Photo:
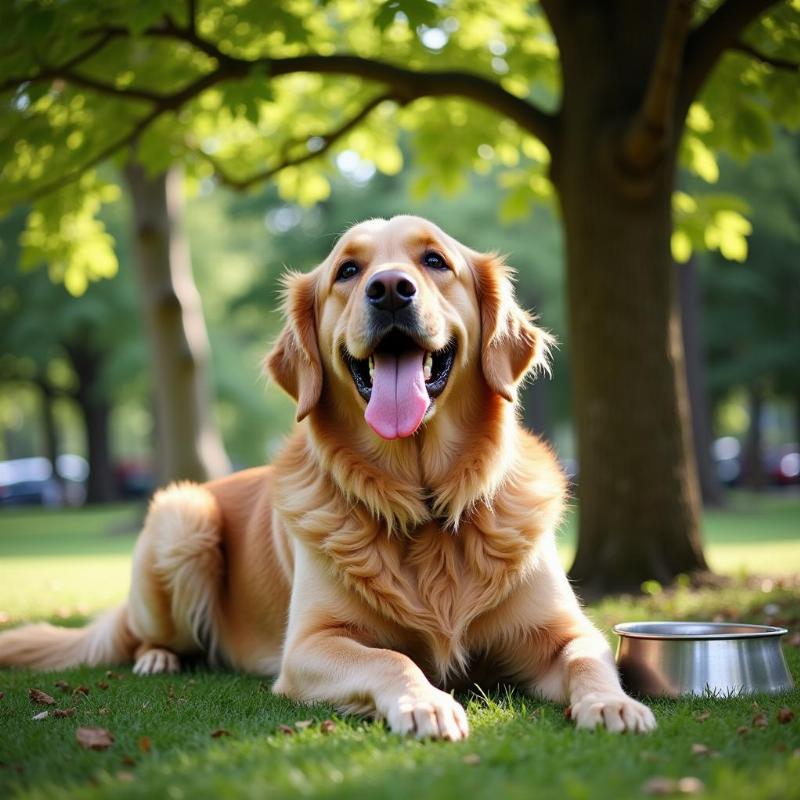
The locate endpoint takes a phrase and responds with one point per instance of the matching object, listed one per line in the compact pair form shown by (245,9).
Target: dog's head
(399,318)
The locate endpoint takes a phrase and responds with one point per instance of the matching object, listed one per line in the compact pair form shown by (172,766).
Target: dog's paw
(428,714)
(616,712)
(157,661)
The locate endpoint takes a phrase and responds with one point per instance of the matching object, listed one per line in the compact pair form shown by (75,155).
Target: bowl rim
(629,630)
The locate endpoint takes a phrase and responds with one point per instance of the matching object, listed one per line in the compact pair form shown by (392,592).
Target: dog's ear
(294,361)
(511,345)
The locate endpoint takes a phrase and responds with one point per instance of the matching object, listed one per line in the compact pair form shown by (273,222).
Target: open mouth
(399,381)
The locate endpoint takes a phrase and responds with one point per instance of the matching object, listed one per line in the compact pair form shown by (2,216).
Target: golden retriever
(402,543)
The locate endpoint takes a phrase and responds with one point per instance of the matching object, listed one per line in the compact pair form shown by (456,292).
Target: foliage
(251,90)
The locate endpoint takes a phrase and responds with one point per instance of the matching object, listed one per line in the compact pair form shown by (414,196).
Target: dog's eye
(347,270)
(434,260)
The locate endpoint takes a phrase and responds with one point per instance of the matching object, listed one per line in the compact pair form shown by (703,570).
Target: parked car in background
(33,481)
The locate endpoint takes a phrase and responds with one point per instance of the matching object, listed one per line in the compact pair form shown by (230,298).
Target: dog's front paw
(615,711)
(428,714)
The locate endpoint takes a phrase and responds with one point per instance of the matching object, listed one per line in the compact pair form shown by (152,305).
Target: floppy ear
(294,361)
(511,345)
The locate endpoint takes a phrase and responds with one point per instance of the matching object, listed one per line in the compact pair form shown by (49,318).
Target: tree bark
(753,475)
(49,429)
(96,412)
(637,489)
(690,308)
(190,446)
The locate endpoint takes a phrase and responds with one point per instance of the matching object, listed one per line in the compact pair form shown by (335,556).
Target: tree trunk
(190,446)
(753,475)
(690,308)
(637,488)
(96,411)
(49,429)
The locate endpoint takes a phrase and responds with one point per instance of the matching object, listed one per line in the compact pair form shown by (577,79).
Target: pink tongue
(399,399)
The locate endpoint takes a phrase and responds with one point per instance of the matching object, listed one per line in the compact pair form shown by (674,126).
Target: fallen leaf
(660,786)
(785,715)
(40,697)
(742,729)
(327,726)
(41,715)
(219,732)
(144,744)
(102,685)
(113,675)
(760,720)
(64,712)
(128,761)
(702,716)
(125,776)
(104,710)
(471,759)
(690,785)
(63,685)
(94,738)
(84,690)
(286,730)
(700,749)
(2,695)
(302,724)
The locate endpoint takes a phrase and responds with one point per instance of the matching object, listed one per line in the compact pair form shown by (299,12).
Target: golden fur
(374,574)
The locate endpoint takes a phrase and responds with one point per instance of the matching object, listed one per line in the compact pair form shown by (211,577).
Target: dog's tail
(106,640)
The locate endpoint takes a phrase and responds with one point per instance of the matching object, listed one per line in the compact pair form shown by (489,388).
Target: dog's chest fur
(432,583)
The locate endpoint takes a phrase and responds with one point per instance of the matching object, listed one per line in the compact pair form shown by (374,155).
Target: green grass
(67,564)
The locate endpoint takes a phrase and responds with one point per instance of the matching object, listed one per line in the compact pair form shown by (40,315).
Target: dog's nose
(391,290)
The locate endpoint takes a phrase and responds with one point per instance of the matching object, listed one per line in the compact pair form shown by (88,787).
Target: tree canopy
(248,91)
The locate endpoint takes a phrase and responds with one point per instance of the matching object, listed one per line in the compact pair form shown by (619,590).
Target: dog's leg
(330,666)
(149,660)
(177,565)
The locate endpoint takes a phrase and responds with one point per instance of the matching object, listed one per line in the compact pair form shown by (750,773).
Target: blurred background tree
(590,104)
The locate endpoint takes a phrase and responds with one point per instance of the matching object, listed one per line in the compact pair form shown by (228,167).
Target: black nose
(391,290)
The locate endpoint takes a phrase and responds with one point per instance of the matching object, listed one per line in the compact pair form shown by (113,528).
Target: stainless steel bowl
(670,659)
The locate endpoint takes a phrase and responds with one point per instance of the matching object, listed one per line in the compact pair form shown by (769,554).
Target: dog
(402,543)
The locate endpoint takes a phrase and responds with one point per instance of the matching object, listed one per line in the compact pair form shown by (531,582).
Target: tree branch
(649,135)
(328,140)
(772,61)
(708,41)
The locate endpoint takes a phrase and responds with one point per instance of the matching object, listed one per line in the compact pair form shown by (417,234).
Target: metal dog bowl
(670,659)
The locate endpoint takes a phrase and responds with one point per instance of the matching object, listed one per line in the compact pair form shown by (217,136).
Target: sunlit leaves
(64,233)
(709,222)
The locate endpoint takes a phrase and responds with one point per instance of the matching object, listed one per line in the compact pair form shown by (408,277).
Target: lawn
(65,565)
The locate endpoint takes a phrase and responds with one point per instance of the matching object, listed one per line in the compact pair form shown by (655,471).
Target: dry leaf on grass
(219,732)
(327,726)
(690,785)
(102,685)
(784,715)
(471,759)
(64,712)
(128,761)
(94,738)
(2,695)
(63,685)
(144,744)
(104,710)
(115,676)
(41,715)
(285,730)
(40,697)
(760,720)
(302,724)
(742,729)
(702,716)
(84,690)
